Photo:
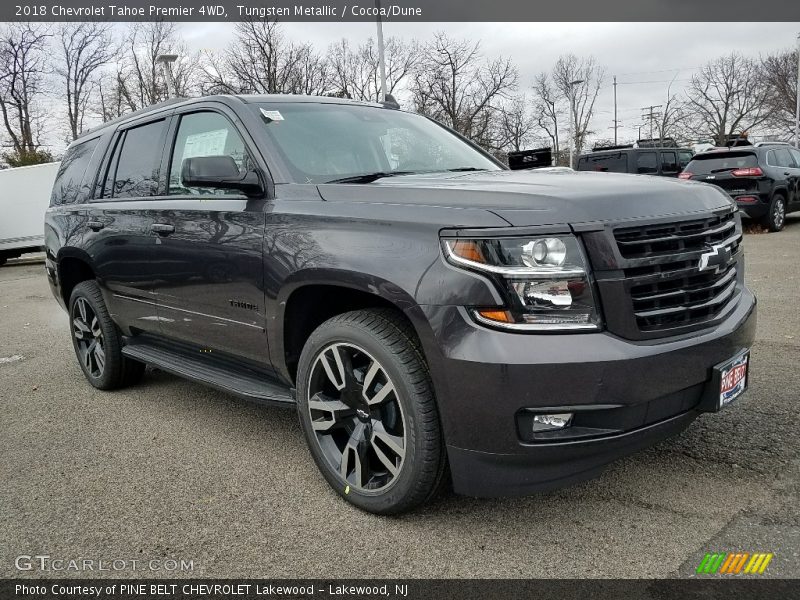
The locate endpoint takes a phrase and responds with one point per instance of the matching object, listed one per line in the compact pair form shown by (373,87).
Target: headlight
(545,280)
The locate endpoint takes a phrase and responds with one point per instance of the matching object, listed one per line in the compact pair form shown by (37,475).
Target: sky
(645,57)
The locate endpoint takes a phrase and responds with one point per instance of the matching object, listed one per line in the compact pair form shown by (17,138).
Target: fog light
(551,422)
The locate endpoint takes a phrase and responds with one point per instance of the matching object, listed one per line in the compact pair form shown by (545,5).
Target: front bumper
(642,392)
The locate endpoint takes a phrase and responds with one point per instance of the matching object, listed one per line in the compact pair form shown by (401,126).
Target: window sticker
(272,115)
(208,143)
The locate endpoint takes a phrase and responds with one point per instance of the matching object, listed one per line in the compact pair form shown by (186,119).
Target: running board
(245,384)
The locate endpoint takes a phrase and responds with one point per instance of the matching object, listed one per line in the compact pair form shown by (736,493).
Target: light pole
(572,124)
(381,58)
(797,108)
(166,60)
(555,132)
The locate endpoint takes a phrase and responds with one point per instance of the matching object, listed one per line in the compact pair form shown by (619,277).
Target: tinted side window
(134,169)
(646,162)
(206,134)
(71,173)
(684,158)
(615,163)
(669,162)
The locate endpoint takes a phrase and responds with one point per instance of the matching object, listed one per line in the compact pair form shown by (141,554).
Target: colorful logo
(735,563)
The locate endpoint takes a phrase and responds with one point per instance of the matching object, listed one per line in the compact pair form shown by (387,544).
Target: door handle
(162,228)
(95,225)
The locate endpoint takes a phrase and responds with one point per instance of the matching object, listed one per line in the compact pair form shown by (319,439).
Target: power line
(661,71)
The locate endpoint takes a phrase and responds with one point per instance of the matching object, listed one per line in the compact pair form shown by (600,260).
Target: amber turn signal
(468,250)
(502,316)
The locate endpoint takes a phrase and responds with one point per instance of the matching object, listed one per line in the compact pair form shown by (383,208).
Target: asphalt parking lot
(170,469)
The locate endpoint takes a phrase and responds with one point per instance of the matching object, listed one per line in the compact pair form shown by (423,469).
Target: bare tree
(546,112)
(728,96)
(85,49)
(455,85)
(515,125)
(780,76)
(356,71)
(672,121)
(262,61)
(578,81)
(23,68)
(139,80)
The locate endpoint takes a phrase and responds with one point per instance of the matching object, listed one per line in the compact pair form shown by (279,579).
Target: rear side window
(796,156)
(684,158)
(134,169)
(646,162)
(669,162)
(780,158)
(613,163)
(718,162)
(70,178)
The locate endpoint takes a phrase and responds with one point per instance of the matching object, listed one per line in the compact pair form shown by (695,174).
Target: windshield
(717,162)
(322,143)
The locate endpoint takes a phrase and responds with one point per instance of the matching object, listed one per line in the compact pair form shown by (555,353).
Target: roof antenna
(390,102)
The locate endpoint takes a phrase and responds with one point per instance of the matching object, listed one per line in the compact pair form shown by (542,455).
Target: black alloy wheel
(98,341)
(357,419)
(368,411)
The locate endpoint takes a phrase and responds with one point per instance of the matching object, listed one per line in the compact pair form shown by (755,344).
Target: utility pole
(651,115)
(616,123)
(555,131)
(381,57)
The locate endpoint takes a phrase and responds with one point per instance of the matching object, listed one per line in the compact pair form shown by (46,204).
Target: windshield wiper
(462,169)
(369,177)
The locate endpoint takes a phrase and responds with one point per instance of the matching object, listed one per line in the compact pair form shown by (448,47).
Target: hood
(540,198)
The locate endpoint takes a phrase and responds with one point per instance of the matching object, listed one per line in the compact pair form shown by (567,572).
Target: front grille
(663,280)
(670,238)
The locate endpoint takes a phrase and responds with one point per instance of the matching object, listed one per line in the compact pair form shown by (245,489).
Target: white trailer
(24,198)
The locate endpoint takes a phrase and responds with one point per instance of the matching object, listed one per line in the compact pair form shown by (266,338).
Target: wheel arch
(73,266)
(308,301)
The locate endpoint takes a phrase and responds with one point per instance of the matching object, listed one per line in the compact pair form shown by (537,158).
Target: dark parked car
(764,180)
(431,315)
(664,162)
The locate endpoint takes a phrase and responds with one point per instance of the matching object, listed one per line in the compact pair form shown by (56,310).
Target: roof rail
(601,147)
(130,115)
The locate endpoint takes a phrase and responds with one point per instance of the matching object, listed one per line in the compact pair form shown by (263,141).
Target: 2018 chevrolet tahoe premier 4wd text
(433,315)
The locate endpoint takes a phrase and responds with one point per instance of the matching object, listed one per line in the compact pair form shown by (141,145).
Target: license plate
(733,379)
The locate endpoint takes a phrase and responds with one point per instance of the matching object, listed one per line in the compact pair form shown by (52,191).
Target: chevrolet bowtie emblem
(717,257)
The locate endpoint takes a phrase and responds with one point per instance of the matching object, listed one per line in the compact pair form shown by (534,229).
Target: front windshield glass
(321,143)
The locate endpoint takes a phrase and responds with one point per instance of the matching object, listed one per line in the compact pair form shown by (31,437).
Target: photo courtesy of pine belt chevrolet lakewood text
(435,318)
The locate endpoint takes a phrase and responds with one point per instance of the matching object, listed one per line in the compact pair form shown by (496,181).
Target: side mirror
(219,172)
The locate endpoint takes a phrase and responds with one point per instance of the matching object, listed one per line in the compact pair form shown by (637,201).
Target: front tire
(367,409)
(97,340)
(775,219)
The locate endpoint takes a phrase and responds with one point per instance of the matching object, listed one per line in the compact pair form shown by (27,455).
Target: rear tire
(775,218)
(98,342)
(367,408)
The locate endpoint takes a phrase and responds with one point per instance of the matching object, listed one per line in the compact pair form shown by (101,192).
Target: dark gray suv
(432,316)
